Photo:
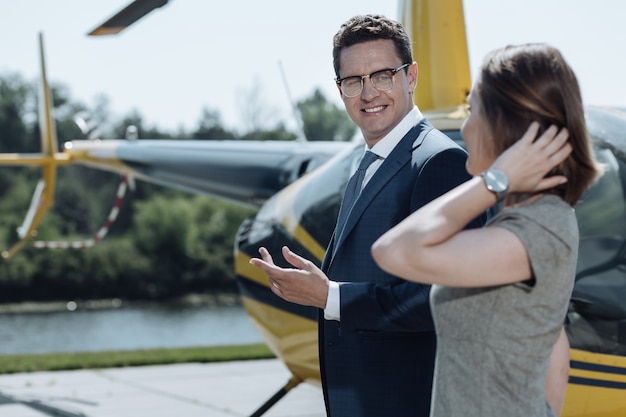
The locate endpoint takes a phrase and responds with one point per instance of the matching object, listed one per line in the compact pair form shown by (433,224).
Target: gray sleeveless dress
(493,343)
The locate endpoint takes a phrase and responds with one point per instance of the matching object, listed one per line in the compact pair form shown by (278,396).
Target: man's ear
(413,75)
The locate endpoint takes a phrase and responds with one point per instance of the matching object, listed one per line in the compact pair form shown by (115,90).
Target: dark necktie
(352,191)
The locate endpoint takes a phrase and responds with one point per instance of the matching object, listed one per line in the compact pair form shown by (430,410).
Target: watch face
(496,180)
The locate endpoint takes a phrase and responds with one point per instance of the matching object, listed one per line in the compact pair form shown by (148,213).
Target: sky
(196,54)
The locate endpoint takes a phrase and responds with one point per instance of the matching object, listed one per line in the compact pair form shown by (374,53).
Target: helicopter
(297,188)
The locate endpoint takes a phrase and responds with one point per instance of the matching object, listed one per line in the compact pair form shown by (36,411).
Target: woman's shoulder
(548,212)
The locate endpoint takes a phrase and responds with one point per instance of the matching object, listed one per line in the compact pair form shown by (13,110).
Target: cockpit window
(596,320)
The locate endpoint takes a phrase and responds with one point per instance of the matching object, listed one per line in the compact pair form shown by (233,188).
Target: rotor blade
(127,16)
(243,172)
(49,143)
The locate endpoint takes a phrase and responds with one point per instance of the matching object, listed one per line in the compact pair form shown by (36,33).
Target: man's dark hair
(371,27)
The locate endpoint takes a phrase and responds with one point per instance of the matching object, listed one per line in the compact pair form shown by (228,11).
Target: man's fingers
(266,263)
(265,254)
(295,259)
(274,285)
(269,269)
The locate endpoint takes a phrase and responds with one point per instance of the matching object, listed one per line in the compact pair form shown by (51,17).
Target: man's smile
(374,109)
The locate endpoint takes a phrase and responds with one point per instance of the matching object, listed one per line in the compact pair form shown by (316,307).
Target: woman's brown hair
(533,82)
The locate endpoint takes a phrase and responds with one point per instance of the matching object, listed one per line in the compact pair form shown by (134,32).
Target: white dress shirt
(382,149)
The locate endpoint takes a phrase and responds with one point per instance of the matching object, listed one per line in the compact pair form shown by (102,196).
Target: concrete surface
(228,389)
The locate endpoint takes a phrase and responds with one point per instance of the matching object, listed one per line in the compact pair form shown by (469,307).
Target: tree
(135,119)
(14,96)
(322,120)
(165,242)
(210,126)
(279,132)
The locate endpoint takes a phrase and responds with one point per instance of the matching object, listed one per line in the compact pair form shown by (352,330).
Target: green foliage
(164,227)
(177,246)
(279,132)
(164,243)
(143,132)
(14,97)
(210,127)
(191,231)
(322,120)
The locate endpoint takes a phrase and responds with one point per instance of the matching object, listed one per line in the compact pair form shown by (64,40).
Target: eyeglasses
(381,80)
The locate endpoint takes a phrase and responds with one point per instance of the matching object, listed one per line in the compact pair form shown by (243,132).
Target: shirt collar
(384,146)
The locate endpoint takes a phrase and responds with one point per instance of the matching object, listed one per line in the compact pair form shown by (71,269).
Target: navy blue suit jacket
(378,360)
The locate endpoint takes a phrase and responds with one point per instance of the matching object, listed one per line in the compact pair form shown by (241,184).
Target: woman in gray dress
(501,293)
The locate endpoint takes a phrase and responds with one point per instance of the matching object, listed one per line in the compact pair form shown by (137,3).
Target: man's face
(374,111)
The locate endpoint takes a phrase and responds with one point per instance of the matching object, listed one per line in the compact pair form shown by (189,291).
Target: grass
(113,359)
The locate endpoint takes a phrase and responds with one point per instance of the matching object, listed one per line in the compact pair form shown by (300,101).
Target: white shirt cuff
(332,310)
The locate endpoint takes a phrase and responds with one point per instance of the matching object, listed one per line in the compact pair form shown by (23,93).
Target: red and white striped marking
(81,244)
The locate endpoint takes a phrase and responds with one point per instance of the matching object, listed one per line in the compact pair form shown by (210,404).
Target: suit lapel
(399,157)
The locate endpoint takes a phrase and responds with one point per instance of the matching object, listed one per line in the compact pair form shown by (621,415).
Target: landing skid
(293,382)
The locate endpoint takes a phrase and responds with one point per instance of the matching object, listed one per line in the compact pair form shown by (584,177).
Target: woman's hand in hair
(528,161)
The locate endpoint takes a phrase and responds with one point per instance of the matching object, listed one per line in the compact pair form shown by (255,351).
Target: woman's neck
(521,199)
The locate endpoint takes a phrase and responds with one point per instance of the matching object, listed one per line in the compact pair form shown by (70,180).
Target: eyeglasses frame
(394,71)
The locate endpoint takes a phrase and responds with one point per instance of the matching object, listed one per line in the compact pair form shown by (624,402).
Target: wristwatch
(496,181)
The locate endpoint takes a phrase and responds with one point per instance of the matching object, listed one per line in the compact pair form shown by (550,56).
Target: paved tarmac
(226,389)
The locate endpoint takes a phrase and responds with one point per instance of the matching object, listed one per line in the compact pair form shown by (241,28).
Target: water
(125,328)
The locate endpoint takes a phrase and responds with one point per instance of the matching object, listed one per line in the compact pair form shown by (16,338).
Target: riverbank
(190,300)
(111,325)
(114,359)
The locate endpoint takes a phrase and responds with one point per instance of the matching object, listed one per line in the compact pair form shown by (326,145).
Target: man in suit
(376,337)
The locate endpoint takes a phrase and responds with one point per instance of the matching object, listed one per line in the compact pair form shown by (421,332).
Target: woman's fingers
(529,160)
(553,146)
(531,133)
